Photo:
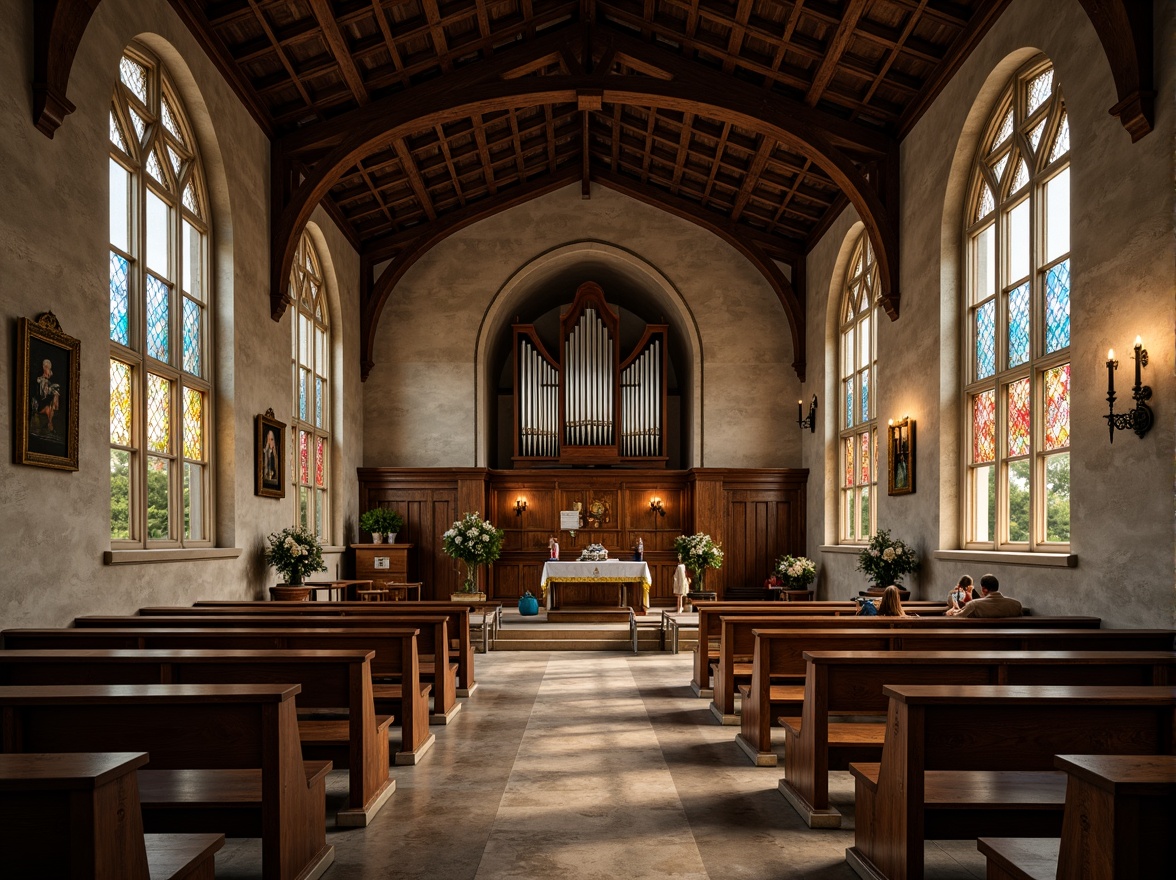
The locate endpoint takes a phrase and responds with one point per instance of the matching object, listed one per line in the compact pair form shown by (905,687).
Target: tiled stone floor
(589,766)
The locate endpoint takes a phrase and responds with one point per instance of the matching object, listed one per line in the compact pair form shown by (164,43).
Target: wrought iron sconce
(1140,418)
(811,421)
(520,505)
(655,504)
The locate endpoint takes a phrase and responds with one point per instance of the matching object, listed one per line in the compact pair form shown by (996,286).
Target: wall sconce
(655,504)
(811,421)
(520,505)
(1140,418)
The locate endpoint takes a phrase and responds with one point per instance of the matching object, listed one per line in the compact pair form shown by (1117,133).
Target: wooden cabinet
(384,563)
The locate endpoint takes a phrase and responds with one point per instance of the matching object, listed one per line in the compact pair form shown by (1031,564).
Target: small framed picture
(901,437)
(269,455)
(47,380)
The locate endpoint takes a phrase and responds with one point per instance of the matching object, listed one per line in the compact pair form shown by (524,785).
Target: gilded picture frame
(901,458)
(269,456)
(48,372)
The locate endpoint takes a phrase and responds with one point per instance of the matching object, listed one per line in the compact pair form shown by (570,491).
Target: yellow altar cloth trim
(603,579)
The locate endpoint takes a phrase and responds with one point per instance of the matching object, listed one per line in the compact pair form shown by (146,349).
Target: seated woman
(962,594)
(890,605)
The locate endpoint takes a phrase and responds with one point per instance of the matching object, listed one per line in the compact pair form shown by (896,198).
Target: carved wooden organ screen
(587,406)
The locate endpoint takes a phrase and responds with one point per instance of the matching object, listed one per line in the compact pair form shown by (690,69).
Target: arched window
(858,370)
(160,296)
(311,424)
(1017,315)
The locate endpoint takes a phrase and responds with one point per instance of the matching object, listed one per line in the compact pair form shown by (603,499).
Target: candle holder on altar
(1141,418)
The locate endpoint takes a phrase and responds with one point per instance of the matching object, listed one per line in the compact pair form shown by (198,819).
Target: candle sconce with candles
(811,421)
(1140,418)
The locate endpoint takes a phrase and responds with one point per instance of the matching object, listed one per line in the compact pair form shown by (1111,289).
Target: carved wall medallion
(599,513)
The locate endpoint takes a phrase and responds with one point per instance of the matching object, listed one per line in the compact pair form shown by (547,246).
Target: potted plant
(383,523)
(528,604)
(698,552)
(793,573)
(885,560)
(295,554)
(472,541)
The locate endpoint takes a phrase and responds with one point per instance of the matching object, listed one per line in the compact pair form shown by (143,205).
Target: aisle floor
(589,766)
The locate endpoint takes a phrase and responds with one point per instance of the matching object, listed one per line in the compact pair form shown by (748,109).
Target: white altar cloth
(617,571)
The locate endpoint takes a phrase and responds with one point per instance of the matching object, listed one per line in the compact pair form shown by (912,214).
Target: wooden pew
(847,683)
(78,815)
(224,758)
(329,680)
(457,613)
(395,654)
(432,641)
(977,760)
(779,653)
(737,644)
(1117,825)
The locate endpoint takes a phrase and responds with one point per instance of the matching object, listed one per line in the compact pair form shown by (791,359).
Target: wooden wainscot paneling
(763,517)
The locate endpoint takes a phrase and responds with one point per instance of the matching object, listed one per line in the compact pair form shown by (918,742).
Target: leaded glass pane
(304,335)
(318,402)
(848,507)
(1021,177)
(120,330)
(192,337)
(137,121)
(120,182)
(169,121)
(1062,141)
(864,457)
(985,318)
(985,285)
(1018,417)
(134,77)
(303,457)
(987,204)
(849,403)
(1057,407)
(190,200)
(1018,321)
(1057,497)
(176,161)
(984,427)
(1006,128)
(120,494)
(865,515)
(193,242)
(120,403)
(193,424)
(1057,216)
(864,336)
(157,318)
(1018,263)
(1040,88)
(158,498)
(193,501)
(847,352)
(303,391)
(999,168)
(320,462)
(849,469)
(1057,307)
(1017,496)
(983,503)
(1036,133)
(158,235)
(303,495)
(865,395)
(158,413)
(116,135)
(155,169)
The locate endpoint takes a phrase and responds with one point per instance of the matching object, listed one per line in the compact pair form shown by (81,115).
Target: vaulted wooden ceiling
(756,119)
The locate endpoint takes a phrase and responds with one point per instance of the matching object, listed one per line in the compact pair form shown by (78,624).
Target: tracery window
(1017,315)
(858,370)
(160,296)
(311,424)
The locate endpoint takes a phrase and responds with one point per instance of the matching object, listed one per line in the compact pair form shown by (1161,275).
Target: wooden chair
(373,595)
(78,815)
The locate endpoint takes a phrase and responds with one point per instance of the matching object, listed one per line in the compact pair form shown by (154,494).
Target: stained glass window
(160,391)
(1016,304)
(858,377)
(310,362)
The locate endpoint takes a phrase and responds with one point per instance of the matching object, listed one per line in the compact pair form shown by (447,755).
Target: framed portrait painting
(901,466)
(269,456)
(47,371)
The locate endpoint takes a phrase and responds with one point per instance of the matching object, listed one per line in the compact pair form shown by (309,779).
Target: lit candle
(799,412)
(1138,348)
(1110,371)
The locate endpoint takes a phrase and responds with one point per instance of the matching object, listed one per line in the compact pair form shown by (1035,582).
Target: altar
(612,582)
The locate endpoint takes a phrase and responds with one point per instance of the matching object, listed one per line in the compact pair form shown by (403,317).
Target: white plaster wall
(419,401)
(1124,275)
(53,255)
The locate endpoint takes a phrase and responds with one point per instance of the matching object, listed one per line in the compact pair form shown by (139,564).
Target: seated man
(990,604)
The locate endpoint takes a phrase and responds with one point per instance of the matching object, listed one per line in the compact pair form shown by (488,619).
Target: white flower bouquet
(473,541)
(885,560)
(794,572)
(294,553)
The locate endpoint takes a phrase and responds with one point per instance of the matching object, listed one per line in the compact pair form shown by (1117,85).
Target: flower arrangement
(594,553)
(885,561)
(793,572)
(294,553)
(698,552)
(473,541)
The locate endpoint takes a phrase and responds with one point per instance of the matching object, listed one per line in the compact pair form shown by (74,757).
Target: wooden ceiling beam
(324,14)
(683,150)
(453,175)
(414,178)
(585,157)
(296,81)
(716,162)
(735,39)
(753,173)
(834,49)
